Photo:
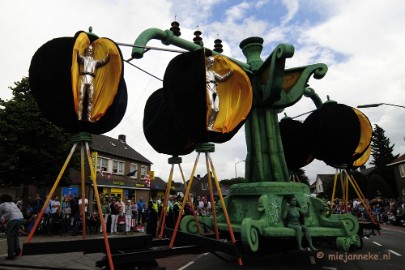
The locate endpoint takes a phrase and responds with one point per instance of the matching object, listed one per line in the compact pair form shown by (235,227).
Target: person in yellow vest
(177,207)
(152,220)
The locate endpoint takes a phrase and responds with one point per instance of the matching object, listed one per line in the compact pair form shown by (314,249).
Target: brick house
(399,171)
(120,170)
(200,187)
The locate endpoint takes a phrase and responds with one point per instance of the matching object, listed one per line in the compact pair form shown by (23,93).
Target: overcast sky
(361,42)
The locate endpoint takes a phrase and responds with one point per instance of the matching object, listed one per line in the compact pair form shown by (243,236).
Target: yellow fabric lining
(235,96)
(107,77)
(366,132)
(363,159)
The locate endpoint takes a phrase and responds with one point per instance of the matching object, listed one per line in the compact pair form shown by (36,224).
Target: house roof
(367,171)
(326,178)
(116,147)
(399,160)
(158,184)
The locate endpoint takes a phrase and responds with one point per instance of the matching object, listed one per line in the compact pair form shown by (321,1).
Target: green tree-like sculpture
(274,89)
(254,206)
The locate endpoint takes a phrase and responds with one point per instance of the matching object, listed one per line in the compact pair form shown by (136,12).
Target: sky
(361,42)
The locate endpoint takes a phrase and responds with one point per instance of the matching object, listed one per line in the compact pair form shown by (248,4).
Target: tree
(32,149)
(300,173)
(356,176)
(230,182)
(381,150)
(377,186)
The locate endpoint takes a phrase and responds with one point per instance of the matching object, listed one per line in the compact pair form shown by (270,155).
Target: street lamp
(378,104)
(236,172)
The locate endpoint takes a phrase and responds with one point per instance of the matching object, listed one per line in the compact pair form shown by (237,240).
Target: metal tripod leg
(93,179)
(209,165)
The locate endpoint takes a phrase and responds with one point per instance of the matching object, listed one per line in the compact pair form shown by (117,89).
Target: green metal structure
(255,208)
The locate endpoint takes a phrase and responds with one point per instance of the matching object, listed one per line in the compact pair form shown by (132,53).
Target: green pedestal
(255,211)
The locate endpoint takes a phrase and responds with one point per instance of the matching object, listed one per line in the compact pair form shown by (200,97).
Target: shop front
(123,189)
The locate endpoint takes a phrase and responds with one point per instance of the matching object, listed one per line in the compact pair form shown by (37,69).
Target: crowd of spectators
(383,209)
(62,215)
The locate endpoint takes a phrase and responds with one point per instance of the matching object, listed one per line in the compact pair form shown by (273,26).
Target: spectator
(141,213)
(152,220)
(106,210)
(94,223)
(37,204)
(66,215)
(114,215)
(29,220)
(48,209)
(134,213)
(10,214)
(169,213)
(86,203)
(56,216)
(121,206)
(188,210)
(128,216)
(177,207)
(377,212)
(20,203)
(197,202)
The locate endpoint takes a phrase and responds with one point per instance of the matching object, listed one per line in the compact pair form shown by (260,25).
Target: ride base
(255,211)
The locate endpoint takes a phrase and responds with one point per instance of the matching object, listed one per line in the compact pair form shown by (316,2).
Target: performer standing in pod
(212,80)
(87,75)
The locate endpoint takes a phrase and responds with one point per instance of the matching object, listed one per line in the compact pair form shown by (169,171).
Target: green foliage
(381,150)
(300,173)
(32,149)
(230,182)
(370,186)
(358,177)
(377,184)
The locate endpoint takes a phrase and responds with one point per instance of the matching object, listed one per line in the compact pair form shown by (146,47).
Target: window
(133,169)
(204,186)
(118,167)
(402,170)
(102,164)
(144,170)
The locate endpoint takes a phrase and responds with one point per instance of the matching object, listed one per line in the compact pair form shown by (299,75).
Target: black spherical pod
(54,77)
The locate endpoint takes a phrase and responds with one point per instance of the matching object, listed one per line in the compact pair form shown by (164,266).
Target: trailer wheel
(249,235)
(358,243)
(343,243)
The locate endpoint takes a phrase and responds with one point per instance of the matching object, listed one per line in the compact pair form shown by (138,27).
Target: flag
(131,173)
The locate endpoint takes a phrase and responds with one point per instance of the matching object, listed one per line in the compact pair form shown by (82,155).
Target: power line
(302,114)
(150,74)
(147,48)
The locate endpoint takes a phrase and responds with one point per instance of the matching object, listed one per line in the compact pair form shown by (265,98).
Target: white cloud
(237,12)
(292,8)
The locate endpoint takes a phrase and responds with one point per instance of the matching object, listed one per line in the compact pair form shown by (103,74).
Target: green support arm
(168,38)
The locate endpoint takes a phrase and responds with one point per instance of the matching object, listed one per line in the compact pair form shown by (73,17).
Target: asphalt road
(385,251)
